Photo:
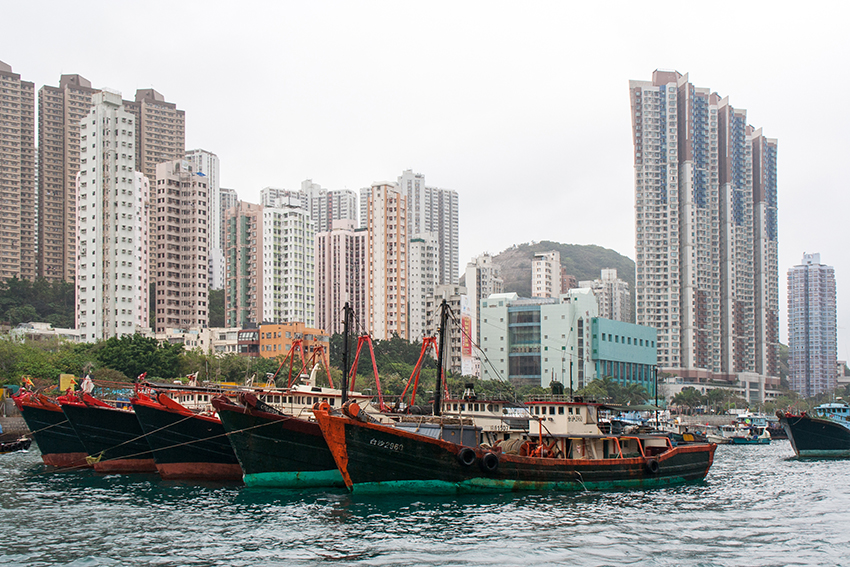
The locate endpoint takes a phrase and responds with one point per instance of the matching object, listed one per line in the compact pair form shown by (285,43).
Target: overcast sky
(522,107)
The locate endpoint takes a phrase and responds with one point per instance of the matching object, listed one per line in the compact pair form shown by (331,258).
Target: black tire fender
(652,466)
(466,456)
(489,463)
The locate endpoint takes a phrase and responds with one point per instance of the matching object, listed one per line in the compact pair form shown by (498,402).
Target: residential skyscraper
(387,279)
(612,293)
(287,281)
(812,335)
(328,205)
(206,164)
(182,247)
(706,231)
(341,270)
(546,274)
(423,269)
(60,110)
(112,225)
(243,255)
(276,197)
(436,211)
(17,176)
(160,131)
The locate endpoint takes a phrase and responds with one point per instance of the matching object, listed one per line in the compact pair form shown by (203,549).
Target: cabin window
(331,402)
(454,407)
(552,410)
(475,407)
(571,411)
(560,410)
(462,407)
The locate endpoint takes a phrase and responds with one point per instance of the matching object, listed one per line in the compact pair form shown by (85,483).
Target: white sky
(521,107)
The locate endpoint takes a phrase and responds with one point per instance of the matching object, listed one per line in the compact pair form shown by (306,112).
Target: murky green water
(758,506)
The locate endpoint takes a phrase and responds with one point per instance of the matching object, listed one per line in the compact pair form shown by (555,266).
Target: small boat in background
(21,444)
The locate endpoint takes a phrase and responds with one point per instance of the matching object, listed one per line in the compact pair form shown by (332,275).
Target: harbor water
(758,506)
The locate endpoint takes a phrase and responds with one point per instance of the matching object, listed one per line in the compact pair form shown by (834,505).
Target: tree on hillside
(216,307)
(23,301)
(133,355)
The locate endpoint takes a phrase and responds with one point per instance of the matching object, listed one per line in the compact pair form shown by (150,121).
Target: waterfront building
(275,340)
(206,164)
(423,270)
(387,277)
(60,110)
(433,210)
(341,270)
(612,293)
(287,279)
(706,231)
(17,176)
(812,334)
(112,225)
(538,340)
(483,278)
(546,274)
(243,254)
(181,201)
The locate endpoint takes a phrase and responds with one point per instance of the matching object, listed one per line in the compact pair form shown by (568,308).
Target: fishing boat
(751,436)
(187,441)
(112,436)
(56,439)
(825,434)
(568,452)
(20,444)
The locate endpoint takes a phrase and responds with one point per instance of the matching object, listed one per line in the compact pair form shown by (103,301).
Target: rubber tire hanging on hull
(466,456)
(652,466)
(489,463)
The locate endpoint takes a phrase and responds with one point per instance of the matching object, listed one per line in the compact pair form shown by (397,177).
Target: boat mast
(438,392)
(346,321)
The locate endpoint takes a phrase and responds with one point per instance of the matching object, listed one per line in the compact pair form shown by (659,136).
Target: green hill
(585,262)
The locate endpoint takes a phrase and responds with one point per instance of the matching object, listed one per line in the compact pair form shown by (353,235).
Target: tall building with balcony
(434,210)
(287,280)
(612,293)
(341,270)
(112,225)
(387,278)
(705,231)
(812,334)
(243,254)
(60,110)
(206,164)
(160,132)
(17,176)
(423,271)
(546,274)
(181,279)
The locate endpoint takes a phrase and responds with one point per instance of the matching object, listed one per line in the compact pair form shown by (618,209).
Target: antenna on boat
(438,390)
(346,322)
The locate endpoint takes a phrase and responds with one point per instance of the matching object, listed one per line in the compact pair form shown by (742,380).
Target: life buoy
(489,462)
(466,456)
(652,466)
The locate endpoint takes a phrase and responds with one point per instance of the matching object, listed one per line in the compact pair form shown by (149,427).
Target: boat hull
(749,441)
(278,451)
(817,437)
(187,446)
(378,459)
(15,446)
(112,438)
(56,439)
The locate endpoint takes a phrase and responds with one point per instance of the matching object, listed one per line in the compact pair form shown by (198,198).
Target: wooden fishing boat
(568,453)
(56,439)
(187,443)
(113,438)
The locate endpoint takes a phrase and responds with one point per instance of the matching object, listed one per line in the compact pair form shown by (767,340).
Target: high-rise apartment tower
(705,231)
(812,335)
